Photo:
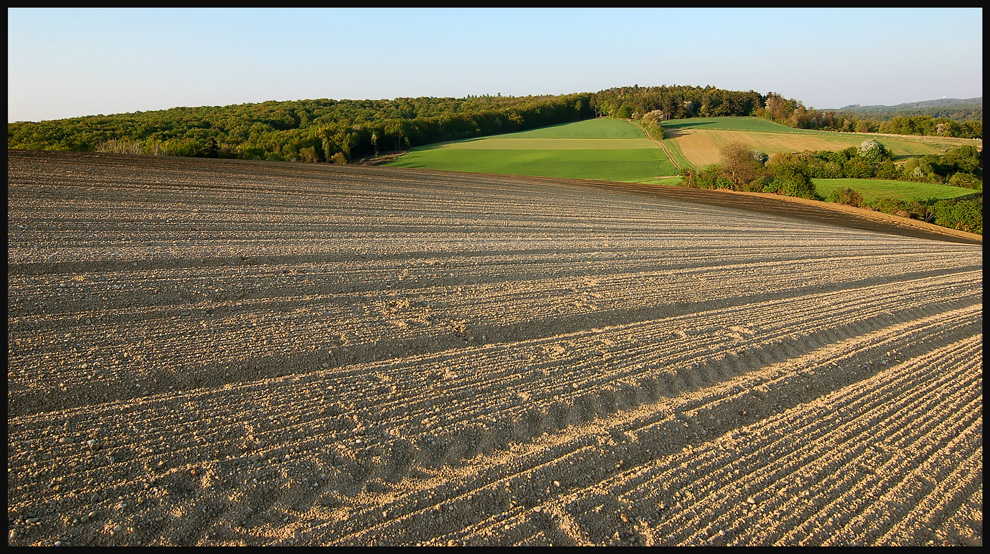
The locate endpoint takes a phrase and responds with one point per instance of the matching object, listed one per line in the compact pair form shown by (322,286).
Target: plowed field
(211,352)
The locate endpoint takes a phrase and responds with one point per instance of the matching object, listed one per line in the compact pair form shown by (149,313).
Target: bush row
(791,174)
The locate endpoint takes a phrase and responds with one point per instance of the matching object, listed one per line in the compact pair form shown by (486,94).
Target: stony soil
(213,352)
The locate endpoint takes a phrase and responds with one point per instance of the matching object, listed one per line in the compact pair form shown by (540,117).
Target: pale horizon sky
(64,62)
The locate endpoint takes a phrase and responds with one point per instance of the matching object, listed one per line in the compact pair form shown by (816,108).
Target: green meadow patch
(605,165)
(516,143)
(879,189)
(600,128)
(609,149)
(599,149)
(752,124)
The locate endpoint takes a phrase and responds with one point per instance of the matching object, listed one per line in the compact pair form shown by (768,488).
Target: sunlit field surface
(697,142)
(877,189)
(598,149)
(210,352)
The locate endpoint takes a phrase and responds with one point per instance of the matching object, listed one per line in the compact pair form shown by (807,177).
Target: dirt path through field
(666,152)
(220,352)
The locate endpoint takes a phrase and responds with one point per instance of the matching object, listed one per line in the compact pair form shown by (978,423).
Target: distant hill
(956,109)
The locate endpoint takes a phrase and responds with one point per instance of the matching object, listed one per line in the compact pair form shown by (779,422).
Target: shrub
(652,118)
(887,170)
(772,186)
(689,177)
(723,182)
(793,176)
(756,185)
(846,196)
(965,214)
(308,154)
(711,177)
(932,166)
(858,168)
(252,152)
(911,171)
(966,159)
(920,209)
(966,180)
(888,205)
(181,147)
(740,165)
(825,169)
(800,188)
(873,152)
(651,123)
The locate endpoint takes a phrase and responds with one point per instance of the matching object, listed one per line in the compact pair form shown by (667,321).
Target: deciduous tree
(739,164)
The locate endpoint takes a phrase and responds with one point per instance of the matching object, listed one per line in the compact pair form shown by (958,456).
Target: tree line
(681,102)
(676,102)
(794,114)
(336,131)
(970,109)
(342,131)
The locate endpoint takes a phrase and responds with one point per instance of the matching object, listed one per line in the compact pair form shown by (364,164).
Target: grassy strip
(674,148)
(878,189)
(606,165)
(602,127)
(751,124)
(600,149)
(516,143)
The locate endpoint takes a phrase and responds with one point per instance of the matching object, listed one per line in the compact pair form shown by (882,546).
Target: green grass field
(601,128)
(600,149)
(877,189)
(606,165)
(753,124)
(616,150)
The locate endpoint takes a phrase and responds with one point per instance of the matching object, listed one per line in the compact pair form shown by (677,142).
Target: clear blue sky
(74,62)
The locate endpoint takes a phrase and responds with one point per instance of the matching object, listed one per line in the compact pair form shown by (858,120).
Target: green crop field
(599,149)
(616,150)
(877,189)
(607,165)
(516,143)
(601,128)
(730,124)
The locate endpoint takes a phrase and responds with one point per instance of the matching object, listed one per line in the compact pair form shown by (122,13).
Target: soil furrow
(221,352)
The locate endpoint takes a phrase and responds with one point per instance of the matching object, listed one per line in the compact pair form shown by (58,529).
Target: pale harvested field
(206,352)
(701,147)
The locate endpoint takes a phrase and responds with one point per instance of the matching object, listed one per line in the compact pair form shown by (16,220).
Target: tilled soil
(217,352)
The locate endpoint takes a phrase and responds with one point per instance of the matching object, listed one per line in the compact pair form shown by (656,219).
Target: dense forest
(794,114)
(679,102)
(304,130)
(969,109)
(342,131)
